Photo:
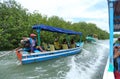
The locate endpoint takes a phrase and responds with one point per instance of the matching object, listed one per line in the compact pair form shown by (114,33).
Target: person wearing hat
(33,43)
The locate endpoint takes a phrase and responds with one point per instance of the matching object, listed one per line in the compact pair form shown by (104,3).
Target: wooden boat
(114,22)
(26,57)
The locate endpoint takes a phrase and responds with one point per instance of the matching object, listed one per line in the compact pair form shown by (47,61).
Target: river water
(89,64)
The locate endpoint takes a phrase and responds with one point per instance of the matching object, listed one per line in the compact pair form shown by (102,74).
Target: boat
(91,38)
(25,57)
(108,73)
(114,25)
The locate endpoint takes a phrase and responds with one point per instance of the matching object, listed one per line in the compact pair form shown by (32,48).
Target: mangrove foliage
(16,22)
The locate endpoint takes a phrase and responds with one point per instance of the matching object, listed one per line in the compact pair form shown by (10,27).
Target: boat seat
(52,48)
(64,46)
(45,46)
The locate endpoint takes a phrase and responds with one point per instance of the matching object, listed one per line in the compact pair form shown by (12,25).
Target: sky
(94,11)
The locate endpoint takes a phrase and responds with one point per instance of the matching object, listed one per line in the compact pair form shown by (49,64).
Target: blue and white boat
(26,57)
(114,26)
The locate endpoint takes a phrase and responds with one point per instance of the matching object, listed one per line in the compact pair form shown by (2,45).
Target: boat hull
(108,74)
(26,58)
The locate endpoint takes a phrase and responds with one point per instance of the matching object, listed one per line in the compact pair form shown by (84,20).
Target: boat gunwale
(47,52)
(49,55)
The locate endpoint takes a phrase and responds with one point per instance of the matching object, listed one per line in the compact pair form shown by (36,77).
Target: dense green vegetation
(16,21)
(116,35)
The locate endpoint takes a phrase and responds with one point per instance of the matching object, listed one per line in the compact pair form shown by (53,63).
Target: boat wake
(87,64)
(100,43)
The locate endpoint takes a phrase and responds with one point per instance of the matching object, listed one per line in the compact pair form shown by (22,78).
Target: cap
(32,35)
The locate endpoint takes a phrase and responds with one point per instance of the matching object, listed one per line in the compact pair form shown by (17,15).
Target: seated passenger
(116,51)
(45,46)
(72,44)
(117,54)
(25,43)
(52,48)
(117,57)
(33,43)
(117,62)
(64,44)
(64,41)
(57,44)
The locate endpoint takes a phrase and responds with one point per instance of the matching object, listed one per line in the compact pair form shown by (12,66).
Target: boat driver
(33,43)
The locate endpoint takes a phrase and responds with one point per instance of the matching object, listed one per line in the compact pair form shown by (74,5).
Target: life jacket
(57,45)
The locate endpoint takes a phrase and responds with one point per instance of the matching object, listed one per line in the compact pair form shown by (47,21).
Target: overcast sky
(95,11)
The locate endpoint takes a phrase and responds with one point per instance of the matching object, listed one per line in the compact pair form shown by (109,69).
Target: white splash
(86,70)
